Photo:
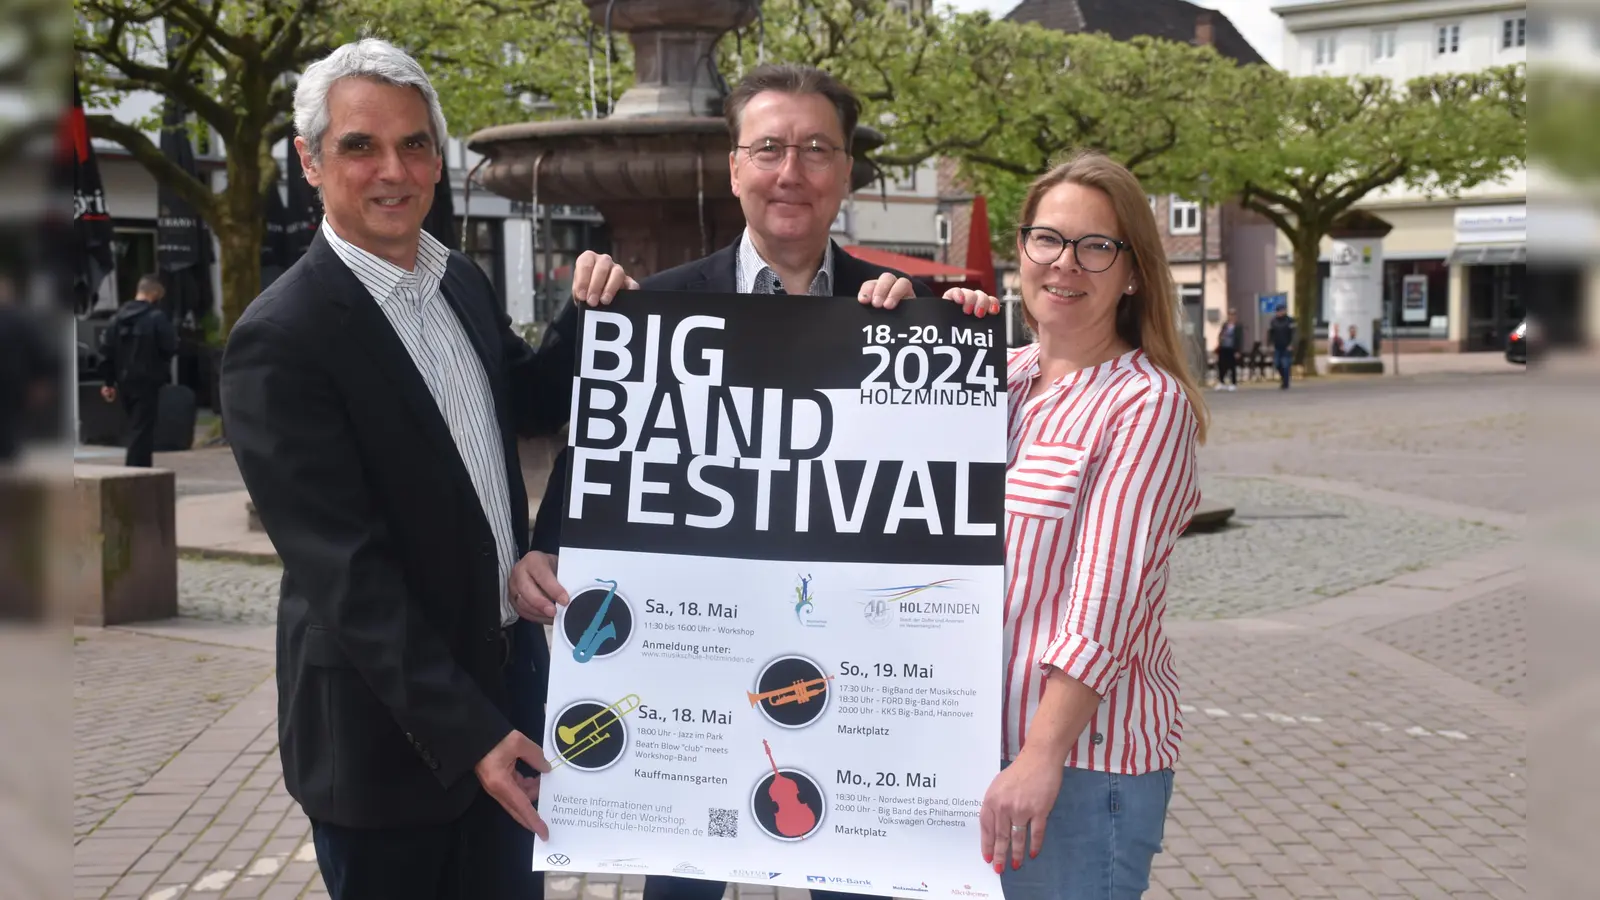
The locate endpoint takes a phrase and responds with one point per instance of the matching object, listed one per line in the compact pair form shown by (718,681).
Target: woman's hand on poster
(974,303)
(596,279)
(1015,808)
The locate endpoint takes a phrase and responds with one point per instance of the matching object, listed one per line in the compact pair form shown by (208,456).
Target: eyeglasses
(1093,252)
(769,155)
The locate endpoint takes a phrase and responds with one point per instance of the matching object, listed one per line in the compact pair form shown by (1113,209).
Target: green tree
(235,73)
(1313,147)
(1006,100)
(1564,125)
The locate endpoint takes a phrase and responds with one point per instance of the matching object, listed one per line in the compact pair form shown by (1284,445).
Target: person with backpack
(136,352)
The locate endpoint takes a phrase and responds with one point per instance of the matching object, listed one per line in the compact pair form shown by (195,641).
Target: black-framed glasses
(1094,252)
(815,155)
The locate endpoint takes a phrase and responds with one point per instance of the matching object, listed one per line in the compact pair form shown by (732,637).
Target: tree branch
(1351,193)
(281,44)
(201,21)
(165,171)
(170,83)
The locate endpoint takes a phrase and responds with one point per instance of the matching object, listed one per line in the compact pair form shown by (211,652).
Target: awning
(1489,254)
(914,266)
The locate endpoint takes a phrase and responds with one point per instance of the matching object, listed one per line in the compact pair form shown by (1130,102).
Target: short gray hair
(371,58)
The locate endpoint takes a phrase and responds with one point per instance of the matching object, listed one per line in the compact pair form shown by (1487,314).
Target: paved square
(1353,652)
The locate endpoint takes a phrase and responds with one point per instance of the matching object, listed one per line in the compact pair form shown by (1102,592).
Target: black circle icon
(791,691)
(788,804)
(597,622)
(590,735)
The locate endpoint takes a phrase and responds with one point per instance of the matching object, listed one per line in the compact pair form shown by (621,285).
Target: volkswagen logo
(558,859)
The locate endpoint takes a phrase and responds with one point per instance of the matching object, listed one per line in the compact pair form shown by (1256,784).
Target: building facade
(1467,254)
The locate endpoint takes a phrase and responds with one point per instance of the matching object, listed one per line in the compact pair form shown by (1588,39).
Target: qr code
(723,823)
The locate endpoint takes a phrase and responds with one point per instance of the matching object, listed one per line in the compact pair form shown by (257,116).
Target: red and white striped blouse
(1100,482)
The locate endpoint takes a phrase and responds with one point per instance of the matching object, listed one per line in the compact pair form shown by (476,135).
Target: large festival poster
(783,544)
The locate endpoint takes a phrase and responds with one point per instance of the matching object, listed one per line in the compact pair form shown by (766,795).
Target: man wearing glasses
(791,128)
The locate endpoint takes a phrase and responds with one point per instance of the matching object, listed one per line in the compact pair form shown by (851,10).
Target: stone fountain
(657,167)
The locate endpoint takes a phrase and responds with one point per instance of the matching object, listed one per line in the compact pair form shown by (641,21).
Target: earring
(1129,290)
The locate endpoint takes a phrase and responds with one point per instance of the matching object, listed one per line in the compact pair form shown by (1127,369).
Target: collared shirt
(1100,481)
(752,275)
(444,356)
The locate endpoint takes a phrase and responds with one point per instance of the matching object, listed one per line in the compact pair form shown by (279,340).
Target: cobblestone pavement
(237,593)
(1289,546)
(138,701)
(1484,641)
(1341,740)
(1454,438)
(1308,771)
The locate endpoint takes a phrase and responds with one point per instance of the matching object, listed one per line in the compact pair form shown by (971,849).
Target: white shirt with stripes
(752,275)
(1100,481)
(444,356)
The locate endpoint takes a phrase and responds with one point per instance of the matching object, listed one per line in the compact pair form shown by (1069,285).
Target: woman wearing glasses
(1104,421)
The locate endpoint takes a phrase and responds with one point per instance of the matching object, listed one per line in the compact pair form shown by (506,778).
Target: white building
(1470,251)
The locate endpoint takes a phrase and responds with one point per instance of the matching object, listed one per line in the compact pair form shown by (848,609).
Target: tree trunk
(1307,243)
(241,237)
(241,268)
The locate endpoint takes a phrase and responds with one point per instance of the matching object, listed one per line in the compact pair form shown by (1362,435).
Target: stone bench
(129,544)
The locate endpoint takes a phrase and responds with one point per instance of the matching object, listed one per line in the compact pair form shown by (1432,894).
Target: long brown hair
(1146,319)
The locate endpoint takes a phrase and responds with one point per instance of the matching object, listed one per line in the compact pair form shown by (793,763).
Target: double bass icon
(793,819)
(596,634)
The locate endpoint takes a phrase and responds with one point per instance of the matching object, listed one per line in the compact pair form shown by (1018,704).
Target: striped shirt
(1100,480)
(752,275)
(444,356)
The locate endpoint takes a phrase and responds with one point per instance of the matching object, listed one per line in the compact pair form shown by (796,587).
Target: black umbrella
(183,244)
(302,212)
(89,254)
(274,247)
(441,220)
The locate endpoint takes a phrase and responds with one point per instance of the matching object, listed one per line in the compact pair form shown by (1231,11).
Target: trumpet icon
(591,732)
(799,692)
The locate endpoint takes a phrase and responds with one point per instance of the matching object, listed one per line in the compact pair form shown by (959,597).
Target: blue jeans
(1283,360)
(1099,839)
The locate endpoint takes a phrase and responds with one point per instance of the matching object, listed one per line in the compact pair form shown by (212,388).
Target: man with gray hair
(372,395)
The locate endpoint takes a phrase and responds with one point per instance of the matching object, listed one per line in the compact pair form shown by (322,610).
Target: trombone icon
(591,732)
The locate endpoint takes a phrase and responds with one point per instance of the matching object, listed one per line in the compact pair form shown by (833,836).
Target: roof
(1173,20)
(914,266)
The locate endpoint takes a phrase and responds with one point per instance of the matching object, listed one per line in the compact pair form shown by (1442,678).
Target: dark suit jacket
(715,274)
(390,686)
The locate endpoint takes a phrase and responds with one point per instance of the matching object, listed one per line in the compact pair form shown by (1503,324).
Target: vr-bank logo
(805,605)
(816,879)
(558,859)
(834,879)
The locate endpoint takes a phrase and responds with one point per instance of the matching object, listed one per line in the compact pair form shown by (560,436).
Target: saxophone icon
(597,622)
